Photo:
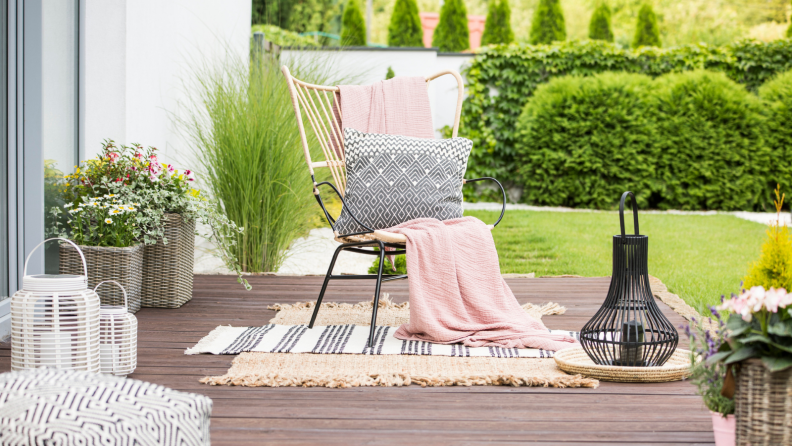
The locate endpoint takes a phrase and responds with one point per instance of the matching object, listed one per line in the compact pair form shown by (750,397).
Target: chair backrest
(317,103)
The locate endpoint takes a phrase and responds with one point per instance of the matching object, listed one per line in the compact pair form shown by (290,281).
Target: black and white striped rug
(339,339)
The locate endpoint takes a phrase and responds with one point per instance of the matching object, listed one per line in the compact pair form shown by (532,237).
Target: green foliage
(353,27)
(405,25)
(401,265)
(282,37)
(548,23)
(600,27)
(390,74)
(776,96)
(774,267)
(314,15)
(452,34)
(501,79)
(646,31)
(708,377)
(271,12)
(497,28)
(688,141)
(789,31)
(583,141)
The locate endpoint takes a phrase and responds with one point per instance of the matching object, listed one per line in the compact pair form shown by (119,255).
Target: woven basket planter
(168,269)
(763,405)
(124,265)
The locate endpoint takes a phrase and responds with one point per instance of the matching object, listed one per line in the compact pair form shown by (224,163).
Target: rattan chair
(315,101)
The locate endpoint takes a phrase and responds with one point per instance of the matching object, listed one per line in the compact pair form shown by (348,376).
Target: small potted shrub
(708,377)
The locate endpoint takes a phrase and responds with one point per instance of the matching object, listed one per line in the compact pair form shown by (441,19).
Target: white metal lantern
(55,321)
(117,337)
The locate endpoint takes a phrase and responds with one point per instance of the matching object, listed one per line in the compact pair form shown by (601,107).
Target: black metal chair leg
(324,285)
(376,295)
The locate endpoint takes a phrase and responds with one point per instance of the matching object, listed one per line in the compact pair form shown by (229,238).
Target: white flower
(108,220)
(67,205)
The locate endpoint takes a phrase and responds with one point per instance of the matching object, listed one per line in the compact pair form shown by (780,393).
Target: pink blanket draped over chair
(457,293)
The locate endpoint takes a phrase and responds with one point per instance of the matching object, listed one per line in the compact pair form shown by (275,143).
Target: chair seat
(385,236)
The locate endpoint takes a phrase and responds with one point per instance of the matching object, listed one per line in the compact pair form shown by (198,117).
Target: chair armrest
(503,193)
(330,219)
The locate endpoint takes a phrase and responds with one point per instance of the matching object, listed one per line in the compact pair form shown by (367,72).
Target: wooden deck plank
(651,414)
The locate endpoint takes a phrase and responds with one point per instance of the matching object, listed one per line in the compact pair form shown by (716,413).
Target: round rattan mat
(576,361)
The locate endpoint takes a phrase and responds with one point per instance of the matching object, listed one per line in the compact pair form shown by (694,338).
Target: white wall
(368,66)
(137,56)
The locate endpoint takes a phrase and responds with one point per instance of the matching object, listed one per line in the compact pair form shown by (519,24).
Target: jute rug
(284,353)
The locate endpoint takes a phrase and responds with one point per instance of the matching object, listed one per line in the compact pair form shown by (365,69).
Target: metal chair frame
(317,103)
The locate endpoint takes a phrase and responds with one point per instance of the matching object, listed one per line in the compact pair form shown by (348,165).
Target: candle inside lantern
(631,348)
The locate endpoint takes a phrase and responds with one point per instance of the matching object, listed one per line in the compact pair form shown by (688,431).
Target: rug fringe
(206,342)
(547,309)
(398,380)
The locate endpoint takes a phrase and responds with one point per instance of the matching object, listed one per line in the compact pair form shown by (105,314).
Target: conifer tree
(452,34)
(353,27)
(774,267)
(390,74)
(646,31)
(548,23)
(405,25)
(600,27)
(497,28)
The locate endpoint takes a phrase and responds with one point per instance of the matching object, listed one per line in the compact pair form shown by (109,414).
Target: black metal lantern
(629,329)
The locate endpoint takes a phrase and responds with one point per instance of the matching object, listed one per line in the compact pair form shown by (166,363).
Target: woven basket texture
(575,361)
(763,405)
(124,265)
(168,268)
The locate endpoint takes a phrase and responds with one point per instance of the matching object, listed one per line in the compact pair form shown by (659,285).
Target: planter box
(124,265)
(763,405)
(168,269)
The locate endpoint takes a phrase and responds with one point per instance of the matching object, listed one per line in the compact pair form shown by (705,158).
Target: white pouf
(117,337)
(55,321)
(50,406)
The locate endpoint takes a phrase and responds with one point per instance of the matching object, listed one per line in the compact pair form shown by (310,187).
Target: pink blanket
(398,106)
(457,293)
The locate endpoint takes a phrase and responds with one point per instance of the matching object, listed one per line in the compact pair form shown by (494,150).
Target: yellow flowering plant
(102,221)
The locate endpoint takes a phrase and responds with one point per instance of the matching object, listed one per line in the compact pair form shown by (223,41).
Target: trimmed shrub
(282,37)
(776,96)
(600,27)
(548,23)
(353,27)
(584,141)
(452,34)
(646,31)
(390,74)
(405,25)
(709,151)
(497,28)
(501,79)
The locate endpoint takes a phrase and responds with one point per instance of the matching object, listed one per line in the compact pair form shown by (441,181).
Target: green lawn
(699,257)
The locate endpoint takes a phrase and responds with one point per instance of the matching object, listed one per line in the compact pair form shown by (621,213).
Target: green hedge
(688,141)
(501,79)
(776,96)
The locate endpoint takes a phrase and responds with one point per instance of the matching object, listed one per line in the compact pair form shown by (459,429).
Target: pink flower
(773,299)
(138,155)
(153,158)
(153,178)
(171,168)
(190,175)
(113,156)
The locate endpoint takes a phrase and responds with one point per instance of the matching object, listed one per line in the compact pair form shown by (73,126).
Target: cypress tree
(452,34)
(600,27)
(548,23)
(390,74)
(405,25)
(497,28)
(646,31)
(353,27)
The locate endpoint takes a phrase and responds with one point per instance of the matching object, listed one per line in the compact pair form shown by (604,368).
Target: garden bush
(583,141)
(600,27)
(502,78)
(548,23)
(497,28)
(452,33)
(776,97)
(688,141)
(353,27)
(646,31)
(405,25)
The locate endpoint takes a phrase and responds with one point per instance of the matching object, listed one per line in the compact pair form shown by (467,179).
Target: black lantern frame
(629,329)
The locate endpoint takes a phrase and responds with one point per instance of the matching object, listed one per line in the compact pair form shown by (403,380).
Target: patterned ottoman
(64,407)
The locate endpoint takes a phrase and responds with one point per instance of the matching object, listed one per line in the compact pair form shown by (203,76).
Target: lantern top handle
(635,212)
(126,302)
(79,251)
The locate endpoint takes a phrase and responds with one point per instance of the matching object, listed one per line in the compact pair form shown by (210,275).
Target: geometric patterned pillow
(51,406)
(392,179)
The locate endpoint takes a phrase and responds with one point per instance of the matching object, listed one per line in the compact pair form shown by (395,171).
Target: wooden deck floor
(653,414)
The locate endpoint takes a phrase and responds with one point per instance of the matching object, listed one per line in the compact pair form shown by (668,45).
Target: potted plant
(708,377)
(164,221)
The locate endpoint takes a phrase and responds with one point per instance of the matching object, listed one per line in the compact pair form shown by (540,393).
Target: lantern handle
(635,212)
(79,251)
(126,302)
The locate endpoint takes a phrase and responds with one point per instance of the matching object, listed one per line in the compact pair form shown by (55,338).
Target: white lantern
(117,337)
(55,321)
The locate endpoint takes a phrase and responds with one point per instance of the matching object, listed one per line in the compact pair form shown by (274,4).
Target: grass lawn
(699,257)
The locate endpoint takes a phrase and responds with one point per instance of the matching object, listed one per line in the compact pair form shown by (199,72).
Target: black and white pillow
(393,179)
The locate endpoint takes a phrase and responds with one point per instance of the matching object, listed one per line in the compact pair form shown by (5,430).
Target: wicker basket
(124,265)
(168,269)
(763,405)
